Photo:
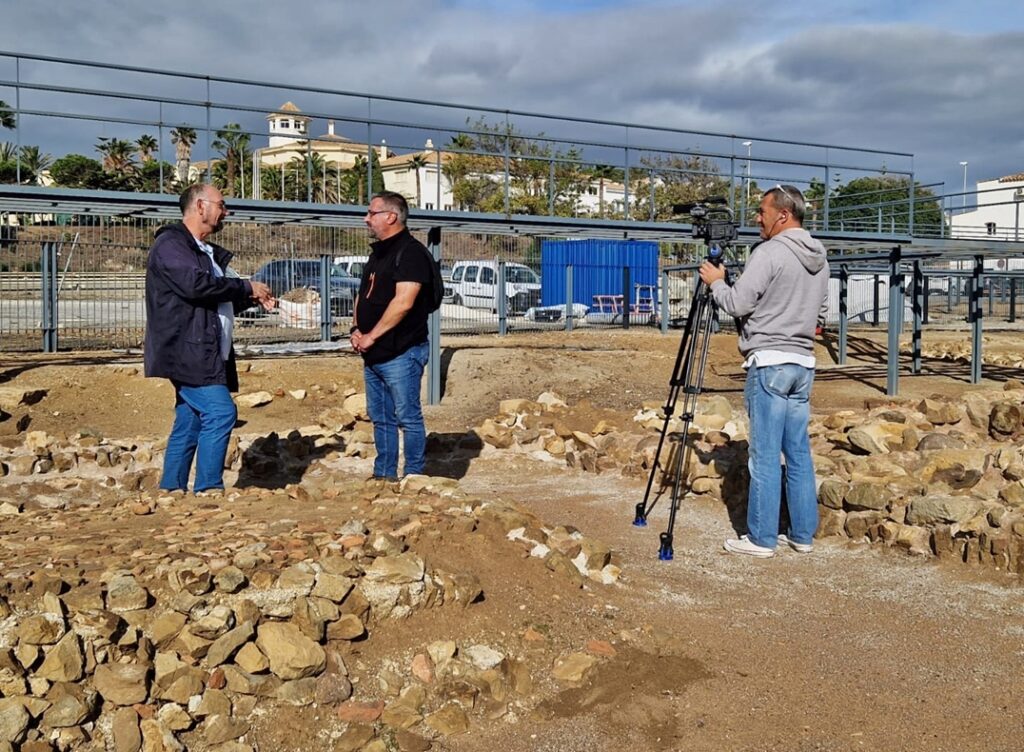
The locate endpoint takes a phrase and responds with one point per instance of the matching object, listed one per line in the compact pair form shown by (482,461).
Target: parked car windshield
(521,275)
(337,270)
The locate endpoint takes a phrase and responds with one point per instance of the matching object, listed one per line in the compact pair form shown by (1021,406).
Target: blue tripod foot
(641,516)
(665,552)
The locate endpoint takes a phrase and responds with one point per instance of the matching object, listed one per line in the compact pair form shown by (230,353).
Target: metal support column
(625,297)
(434,326)
(568,298)
(876,304)
(917,289)
(49,300)
(664,302)
(1013,299)
(326,314)
(974,304)
(500,301)
(895,308)
(844,320)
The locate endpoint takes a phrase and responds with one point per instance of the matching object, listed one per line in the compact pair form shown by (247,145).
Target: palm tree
(145,145)
(602,173)
(8,151)
(233,144)
(183,138)
(418,162)
(7,119)
(118,154)
(34,162)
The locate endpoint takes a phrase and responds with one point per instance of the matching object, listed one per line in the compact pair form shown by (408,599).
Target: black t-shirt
(377,289)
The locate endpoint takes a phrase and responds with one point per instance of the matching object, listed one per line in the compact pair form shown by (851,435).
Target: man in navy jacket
(191,299)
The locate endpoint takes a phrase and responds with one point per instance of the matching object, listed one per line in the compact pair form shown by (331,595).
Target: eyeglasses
(221,204)
(371,212)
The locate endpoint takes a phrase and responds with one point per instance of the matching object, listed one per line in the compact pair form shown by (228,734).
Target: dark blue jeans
(203,419)
(393,402)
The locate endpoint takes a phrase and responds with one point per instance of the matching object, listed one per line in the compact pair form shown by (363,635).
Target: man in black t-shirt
(390,331)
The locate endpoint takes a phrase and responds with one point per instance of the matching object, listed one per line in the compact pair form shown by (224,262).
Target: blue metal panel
(597,268)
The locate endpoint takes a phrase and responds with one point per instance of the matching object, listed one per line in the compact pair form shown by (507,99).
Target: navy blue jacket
(182,295)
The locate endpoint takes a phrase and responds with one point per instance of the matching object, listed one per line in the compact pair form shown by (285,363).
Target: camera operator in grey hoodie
(778,302)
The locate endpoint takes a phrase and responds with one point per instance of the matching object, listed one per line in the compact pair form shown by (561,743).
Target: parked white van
(352,264)
(475,284)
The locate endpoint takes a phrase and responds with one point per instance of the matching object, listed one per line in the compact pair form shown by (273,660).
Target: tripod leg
(680,371)
(694,381)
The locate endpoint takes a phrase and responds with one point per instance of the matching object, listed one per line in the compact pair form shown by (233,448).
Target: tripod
(687,380)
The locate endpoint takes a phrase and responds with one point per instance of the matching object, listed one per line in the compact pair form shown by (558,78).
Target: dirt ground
(850,648)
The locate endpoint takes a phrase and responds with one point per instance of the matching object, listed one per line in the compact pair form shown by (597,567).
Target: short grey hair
(395,202)
(788,198)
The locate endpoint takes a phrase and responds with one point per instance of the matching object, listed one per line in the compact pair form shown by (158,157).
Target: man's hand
(262,295)
(366,341)
(709,273)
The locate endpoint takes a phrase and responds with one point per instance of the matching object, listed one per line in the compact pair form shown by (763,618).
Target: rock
(166,627)
(360,712)
(230,579)
(407,741)
(126,731)
(122,683)
(251,659)
(297,394)
(449,720)
(218,729)
(356,405)
(928,510)
(1005,419)
(225,646)
(213,702)
(423,668)
(70,709)
(41,629)
(300,693)
(916,540)
(933,441)
(873,438)
(245,683)
(397,570)
(292,655)
(14,720)
(551,400)
(124,593)
(254,399)
(174,717)
(514,406)
(214,624)
(64,662)
(495,434)
(333,587)
(332,688)
(356,737)
(155,738)
(867,496)
(574,668)
(347,627)
(940,412)
(191,575)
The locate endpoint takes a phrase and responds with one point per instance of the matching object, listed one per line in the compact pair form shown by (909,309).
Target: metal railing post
(625,297)
(975,318)
(568,298)
(326,314)
(918,306)
(664,302)
(501,301)
(895,320)
(844,289)
(434,328)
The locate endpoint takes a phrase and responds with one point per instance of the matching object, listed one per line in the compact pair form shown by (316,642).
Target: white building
(998,212)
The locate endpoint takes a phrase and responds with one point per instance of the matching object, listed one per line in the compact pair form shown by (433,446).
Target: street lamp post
(963,199)
(746,199)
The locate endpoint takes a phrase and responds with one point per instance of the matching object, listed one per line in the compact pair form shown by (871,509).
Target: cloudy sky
(937,79)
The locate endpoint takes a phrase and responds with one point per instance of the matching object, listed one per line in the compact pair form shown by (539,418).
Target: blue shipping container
(596,268)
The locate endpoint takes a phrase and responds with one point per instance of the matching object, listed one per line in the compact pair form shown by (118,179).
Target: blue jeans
(777,399)
(203,419)
(393,402)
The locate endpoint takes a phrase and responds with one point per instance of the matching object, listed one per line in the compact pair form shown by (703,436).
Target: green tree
(183,139)
(417,163)
(353,180)
(7,119)
(118,163)
(33,164)
(233,145)
(882,204)
(148,177)
(674,179)
(77,171)
(145,145)
(602,173)
(540,176)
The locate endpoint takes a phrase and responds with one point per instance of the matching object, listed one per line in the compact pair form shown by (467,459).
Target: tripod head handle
(716,254)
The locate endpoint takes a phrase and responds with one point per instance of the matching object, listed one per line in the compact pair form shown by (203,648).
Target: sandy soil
(850,648)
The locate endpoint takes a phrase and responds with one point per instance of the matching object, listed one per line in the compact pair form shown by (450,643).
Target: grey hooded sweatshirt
(781,294)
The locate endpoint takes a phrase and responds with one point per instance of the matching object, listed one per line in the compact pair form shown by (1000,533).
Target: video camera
(712,220)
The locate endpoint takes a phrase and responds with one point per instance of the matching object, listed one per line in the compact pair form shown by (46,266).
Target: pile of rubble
(931,477)
(198,632)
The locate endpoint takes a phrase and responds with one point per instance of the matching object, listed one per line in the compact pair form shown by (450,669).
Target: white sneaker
(800,548)
(745,546)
